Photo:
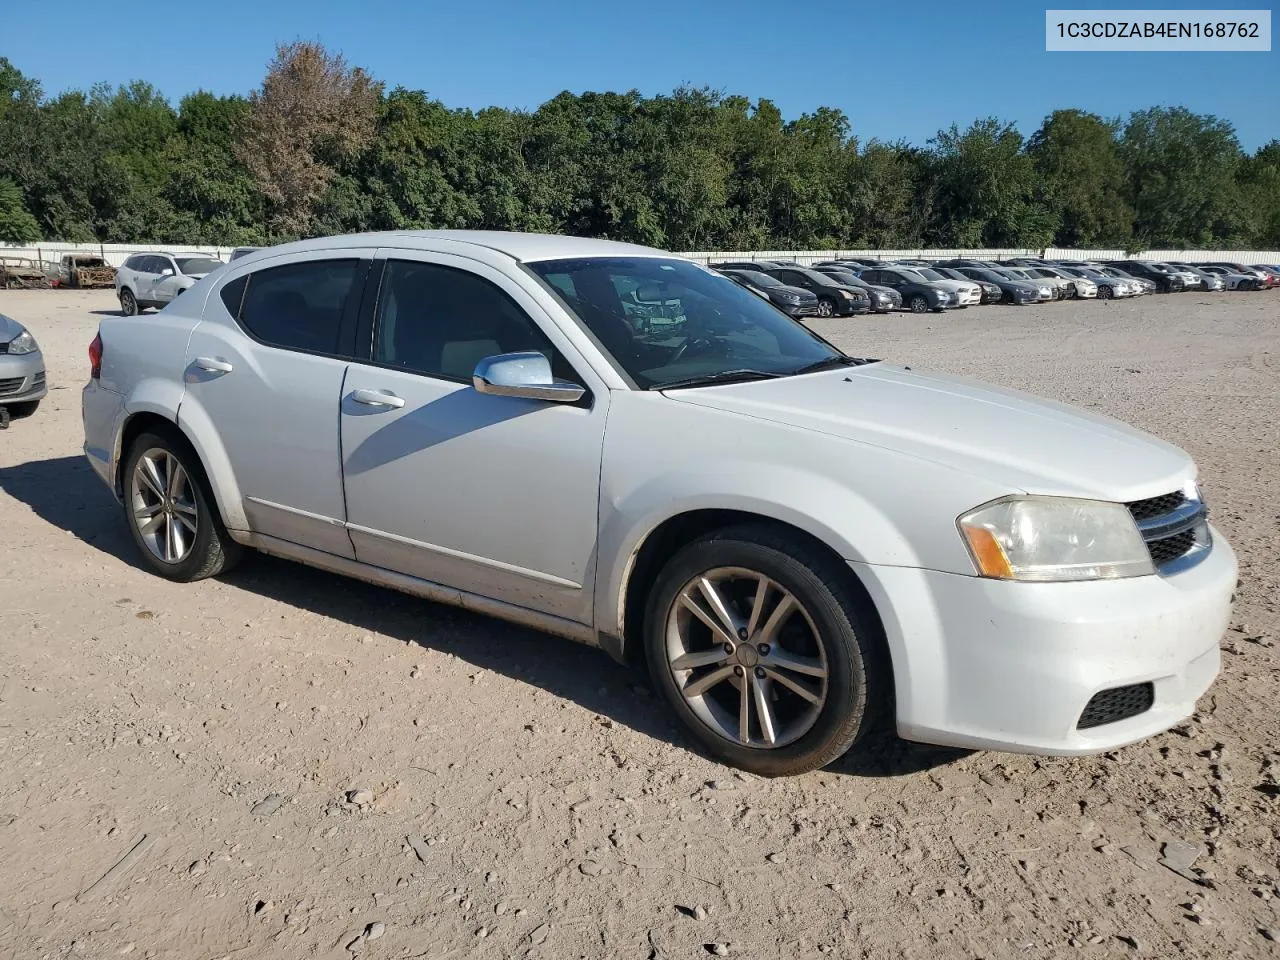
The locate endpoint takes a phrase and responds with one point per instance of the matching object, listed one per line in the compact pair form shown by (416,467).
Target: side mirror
(525,375)
(166,272)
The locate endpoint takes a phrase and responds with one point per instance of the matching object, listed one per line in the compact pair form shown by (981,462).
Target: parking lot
(178,758)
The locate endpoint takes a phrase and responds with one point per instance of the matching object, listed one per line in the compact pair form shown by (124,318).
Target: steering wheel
(702,342)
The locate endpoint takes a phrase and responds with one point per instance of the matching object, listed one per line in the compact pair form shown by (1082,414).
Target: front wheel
(1106,293)
(1072,292)
(826,307)
(759,645)
(918,304)
(171,512)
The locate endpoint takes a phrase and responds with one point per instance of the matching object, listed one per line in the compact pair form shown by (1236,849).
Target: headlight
(1053,539)
(23,343)
(846,294)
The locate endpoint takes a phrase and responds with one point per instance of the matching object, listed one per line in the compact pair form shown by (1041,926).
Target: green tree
(16,224)
(988,194)
(1077,158)
(1181,169)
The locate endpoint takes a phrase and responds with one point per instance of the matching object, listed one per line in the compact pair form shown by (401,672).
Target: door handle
(377,398)
(213,365)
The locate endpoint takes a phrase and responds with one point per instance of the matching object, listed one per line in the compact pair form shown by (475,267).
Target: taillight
(95,357)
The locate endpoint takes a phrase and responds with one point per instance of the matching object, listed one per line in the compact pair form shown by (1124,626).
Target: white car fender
(194,421)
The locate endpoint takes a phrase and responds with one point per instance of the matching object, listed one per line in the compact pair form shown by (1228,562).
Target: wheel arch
(677,531)
(212,455)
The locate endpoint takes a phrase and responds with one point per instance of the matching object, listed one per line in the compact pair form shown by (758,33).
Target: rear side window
(298,306)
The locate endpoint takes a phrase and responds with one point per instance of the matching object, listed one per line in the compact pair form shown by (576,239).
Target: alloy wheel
(163,506)
(919,304)
(825,309)
(128,303)
(747,658)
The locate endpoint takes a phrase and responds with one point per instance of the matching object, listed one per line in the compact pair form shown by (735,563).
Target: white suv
(154,279)
(610,443)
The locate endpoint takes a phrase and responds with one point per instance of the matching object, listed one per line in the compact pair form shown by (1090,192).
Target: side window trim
(351,309)
(367,326)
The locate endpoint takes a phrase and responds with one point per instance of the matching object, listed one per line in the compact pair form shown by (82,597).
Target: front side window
(665,322)
(297,306)
(441,322)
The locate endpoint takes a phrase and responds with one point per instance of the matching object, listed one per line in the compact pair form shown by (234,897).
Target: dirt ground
(530,798)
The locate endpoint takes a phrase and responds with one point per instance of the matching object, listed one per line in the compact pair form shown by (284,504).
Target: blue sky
(898,70)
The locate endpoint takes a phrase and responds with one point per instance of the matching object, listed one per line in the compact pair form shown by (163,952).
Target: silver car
(22,377)
(612,443)
(155,279)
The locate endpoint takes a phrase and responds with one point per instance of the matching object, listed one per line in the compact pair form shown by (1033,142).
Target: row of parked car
(852,286)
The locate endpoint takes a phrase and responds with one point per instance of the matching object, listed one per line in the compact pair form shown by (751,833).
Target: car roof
(525,247)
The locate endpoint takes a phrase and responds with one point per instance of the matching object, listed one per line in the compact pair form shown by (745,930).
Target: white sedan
(610,443)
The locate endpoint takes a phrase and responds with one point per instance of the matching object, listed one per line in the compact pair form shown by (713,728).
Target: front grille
(12,385)
(1118,703)
(1157,506)
(1173,526)
(1171,548)
(4,347)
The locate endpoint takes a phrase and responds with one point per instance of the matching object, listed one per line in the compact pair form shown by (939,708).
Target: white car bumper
(994,664)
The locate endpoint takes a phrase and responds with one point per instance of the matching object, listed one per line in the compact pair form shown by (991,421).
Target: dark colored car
(1020,292)
(1163,277)
(793,301)
(918,295)
(835,299)
(883,299)
(991,292)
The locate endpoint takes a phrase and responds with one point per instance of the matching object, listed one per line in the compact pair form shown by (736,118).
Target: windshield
(194,265)
(929,274)
(847,277)
(667,322)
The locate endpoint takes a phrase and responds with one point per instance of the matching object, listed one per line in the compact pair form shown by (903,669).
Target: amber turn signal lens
(988,553)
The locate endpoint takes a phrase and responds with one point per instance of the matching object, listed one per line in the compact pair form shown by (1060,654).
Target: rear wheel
(128,303)
(918,303)
(761,648)
(171,511)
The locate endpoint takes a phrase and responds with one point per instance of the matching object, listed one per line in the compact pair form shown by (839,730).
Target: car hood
(9,328)
(801,292)
(1014,439)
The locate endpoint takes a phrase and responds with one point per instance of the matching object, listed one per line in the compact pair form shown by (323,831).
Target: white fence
(117,253)
(1049,253)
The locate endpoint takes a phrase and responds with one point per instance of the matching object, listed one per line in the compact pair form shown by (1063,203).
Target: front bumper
(22,377)
(992,664)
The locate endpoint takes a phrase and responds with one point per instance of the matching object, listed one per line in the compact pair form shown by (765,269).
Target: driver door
(493,495)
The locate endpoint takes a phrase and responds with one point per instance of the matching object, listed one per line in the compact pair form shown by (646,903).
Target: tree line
(322,147)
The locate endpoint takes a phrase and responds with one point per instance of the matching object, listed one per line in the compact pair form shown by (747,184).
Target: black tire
(918,303)
(129,306)
(1072,292)
(213,551)
(859,690)
(1105,292)
(25,409)
(826,307)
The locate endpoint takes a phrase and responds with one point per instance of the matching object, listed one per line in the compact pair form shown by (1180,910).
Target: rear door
(145,279)
(265,370)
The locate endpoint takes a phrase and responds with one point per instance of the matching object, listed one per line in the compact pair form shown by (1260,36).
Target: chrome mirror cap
(525,375)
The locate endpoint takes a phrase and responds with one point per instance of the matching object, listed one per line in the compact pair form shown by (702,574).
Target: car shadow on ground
(66,493)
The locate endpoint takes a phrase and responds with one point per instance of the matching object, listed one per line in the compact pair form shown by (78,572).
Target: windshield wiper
(828,363)
(723,376)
